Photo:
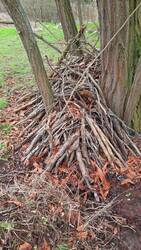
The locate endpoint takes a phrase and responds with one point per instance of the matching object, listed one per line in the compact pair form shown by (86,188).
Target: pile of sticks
(81,129)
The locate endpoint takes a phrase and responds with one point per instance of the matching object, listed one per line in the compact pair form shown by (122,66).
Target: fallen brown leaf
(104,190)
(15,202)
(25,246)
(45,246)
(126,182)
(38,168)
(32,196)
(82,234)
(115,230)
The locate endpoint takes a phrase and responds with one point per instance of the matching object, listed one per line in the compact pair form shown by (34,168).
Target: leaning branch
(71,42)
(6,22)
(48,43)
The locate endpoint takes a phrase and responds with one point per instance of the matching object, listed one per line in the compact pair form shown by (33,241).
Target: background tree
(80,15)
(121,62)
(68,25)
(67,19)
(23,26)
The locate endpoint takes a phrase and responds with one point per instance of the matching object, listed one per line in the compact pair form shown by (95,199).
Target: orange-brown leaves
(25,246)
(45,245)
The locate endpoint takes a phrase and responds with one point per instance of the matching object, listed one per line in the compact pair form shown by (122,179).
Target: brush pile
(81,139)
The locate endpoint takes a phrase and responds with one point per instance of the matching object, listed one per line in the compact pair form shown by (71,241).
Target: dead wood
(81,130)
(6,22)
(48,43)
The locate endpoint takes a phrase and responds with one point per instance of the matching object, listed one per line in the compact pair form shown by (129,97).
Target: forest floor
(36,214)
(26,221)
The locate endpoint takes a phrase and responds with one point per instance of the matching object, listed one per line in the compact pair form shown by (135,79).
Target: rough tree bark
(23,26)
(121,66)
(80,16)
(68,25)
(67,19)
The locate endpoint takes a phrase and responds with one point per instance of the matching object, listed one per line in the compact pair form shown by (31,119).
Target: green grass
(13,58)
(2,150)
(3,103)
(14,63)
(92,34)
(6,225)
(5,128)
(2,145)
(62,247)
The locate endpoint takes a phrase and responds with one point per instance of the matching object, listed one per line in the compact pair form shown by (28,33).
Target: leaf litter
(72,158)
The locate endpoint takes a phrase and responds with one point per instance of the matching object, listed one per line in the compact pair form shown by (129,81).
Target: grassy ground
(15,71)
(14,61)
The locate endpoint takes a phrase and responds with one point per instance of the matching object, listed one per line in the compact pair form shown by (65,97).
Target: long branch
(48,43)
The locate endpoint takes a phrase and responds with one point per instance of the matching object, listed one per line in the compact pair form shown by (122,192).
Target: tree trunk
(121,67)
(67,19)
(80,16)
(69,25)
(24,29)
